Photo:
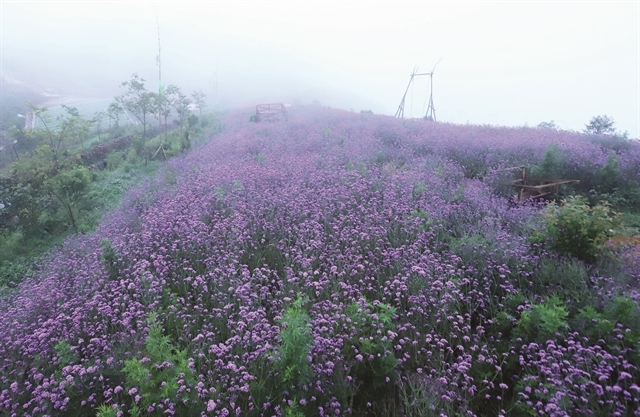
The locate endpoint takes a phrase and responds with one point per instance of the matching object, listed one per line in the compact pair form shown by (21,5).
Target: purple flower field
(338,263)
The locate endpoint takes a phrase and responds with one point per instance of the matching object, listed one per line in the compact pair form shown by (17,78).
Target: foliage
(547,125)
(64,353)
(69,187)
(138,101)
(370,350)
(48,171)
(291,364)
(420,396)
(599,125)
(610,174)
(180,103)
(198,100)
(543,321)
(578,230)
(72,128)
(110,259)
(552,164)
(164,374)
(625,312)
(567,278)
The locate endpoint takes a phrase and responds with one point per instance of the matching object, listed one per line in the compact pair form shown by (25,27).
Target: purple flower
(211,405)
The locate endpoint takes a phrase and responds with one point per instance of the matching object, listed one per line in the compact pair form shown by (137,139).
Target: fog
(499,63)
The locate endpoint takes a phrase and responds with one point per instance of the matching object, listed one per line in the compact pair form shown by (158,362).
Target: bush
(581,231)
(115,160)
(162,376)
(552,164)
(292,364)
(370,351)
(543,321)
(610,174)
(567,278)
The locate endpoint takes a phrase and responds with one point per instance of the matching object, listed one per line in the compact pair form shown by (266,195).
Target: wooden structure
(271,112)
(534,187)
(431,110)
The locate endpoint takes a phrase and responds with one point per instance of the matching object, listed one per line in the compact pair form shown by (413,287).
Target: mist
(499,63)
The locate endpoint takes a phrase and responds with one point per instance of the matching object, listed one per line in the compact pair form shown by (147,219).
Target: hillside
(340,263)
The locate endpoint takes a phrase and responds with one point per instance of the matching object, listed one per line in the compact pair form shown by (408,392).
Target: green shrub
(138,145)
(618,322)
(292,364)
(610,174)
(286,367)
(420,396)
(591,323)
(566,277)
(551,166)
(626,312)
(64,353)
(109,259)
(373,364)
(115,159)
(579,230)
(543,321)
(162,374)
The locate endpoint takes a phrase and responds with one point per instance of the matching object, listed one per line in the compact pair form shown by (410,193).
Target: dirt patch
(622,241)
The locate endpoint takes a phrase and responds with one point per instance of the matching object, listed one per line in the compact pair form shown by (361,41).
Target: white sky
(502,63)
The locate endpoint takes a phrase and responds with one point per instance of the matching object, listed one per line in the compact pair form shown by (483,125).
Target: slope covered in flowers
(337,263)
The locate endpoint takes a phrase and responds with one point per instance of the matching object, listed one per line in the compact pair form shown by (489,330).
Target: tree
(180,103)
(113,113)
(548,125)
(138,101)
(198,99)
(75,127)
(97,119)
(69,187)
(49,171)
(72,127)
(600,125)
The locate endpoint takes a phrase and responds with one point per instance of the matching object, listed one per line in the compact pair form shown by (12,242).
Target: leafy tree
(74,127)
(198,99)
(23,140)
(113,113)
(51,139)
(138,101)
(548,125)
(48,178)
(69,187)
(181,104)
(97,119)
(599,125)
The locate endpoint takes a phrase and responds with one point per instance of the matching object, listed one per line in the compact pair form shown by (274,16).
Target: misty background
(500,63)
